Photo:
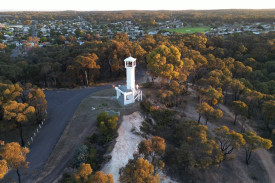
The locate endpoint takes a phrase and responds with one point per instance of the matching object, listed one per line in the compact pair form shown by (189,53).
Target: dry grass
(107,92)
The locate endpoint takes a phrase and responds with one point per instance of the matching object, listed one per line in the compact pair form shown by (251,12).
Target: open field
(190,30)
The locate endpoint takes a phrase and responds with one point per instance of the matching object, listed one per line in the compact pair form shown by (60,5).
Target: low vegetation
(90,156)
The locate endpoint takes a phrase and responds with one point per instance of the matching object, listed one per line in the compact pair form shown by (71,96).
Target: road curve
(61,107)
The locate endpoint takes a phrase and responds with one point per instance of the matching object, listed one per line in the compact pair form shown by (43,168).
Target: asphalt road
(15,52)
(61,107)
(34,33)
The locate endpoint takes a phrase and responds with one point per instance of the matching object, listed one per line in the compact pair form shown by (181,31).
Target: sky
(89,5)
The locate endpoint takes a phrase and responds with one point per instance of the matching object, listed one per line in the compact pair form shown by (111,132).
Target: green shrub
(103,116)
(106,138)
(146,105)
(66,178)
(145,127)
(93,139)
(112,122)
(103,128)
(107,124)
(80,156)
(163,117)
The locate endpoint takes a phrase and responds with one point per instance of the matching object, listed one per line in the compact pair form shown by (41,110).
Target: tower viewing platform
(129,93)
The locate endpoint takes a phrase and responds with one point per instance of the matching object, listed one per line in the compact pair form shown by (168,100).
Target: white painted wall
(130,77)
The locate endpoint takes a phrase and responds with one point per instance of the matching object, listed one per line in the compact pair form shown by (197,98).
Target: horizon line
(52,10)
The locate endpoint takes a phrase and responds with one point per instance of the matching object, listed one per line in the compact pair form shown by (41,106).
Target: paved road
(34,33)
(15,52)
(61,107)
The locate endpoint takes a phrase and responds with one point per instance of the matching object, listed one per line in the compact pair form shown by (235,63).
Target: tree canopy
(138,171)
(254,142)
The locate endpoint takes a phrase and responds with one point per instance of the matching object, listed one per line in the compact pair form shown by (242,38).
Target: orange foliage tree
(38,101)
(86,63)
(100,177)
(18,113)
(15,156)
(138,171)
(83,172)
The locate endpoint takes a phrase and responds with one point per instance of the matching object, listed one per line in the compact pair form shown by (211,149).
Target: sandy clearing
(126,144)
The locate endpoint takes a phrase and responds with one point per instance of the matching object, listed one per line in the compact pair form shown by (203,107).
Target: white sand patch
(126,144)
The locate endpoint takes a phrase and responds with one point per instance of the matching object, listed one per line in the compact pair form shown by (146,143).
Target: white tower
(130,65)
(129,93)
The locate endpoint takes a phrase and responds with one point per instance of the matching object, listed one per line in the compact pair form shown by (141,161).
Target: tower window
(129,64)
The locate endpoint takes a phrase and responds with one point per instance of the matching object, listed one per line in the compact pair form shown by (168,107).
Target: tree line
(61,66)
(147,18)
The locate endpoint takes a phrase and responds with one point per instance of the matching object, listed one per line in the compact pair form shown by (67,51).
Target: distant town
(53,32)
